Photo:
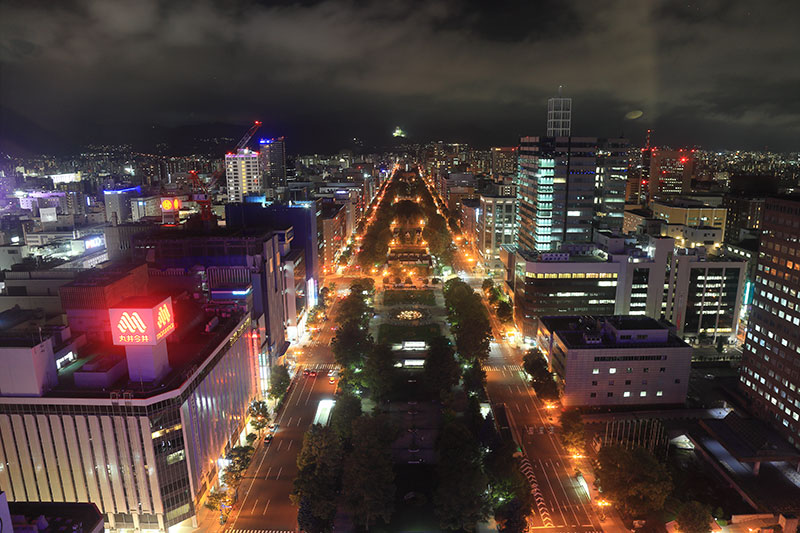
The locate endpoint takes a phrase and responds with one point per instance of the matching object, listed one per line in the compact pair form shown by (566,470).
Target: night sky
(720,74)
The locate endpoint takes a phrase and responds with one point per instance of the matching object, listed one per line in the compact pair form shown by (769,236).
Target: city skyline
(323,73)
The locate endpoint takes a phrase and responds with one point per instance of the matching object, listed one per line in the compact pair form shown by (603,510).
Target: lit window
(612,370)
(643,394)
(595,371)
(626,394)
(660,393)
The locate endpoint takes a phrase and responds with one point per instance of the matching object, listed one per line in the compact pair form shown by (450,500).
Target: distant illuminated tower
(559,116)
(273,162)
(242,174)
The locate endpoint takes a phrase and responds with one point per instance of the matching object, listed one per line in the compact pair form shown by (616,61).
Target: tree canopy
(633,479)
(694,517)
(368,488)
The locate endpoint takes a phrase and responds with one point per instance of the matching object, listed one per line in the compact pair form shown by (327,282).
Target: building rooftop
(604,332)
(188,348)
(55,517)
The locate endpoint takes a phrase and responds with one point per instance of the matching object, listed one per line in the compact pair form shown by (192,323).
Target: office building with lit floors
(138,422)
(620,361)
(770,371)
(567,188)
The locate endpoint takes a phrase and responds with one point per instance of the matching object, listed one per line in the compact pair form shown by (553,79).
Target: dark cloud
(325,71)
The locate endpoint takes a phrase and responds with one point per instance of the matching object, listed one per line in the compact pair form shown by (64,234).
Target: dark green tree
(573,434)
(259,414)
(694,517)
(460,497)
(442,371)
(346,409)
(542,380)
(474,379)
(319,470)
(368,488)
(379,372)
(633,479)
(350,346)
(279,381)
(505,311)
(365,286)
(487,284)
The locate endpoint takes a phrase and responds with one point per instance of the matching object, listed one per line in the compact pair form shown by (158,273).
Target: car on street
(332,379)
(269,437)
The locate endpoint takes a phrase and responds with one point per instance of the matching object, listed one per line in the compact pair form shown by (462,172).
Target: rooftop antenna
(560,87)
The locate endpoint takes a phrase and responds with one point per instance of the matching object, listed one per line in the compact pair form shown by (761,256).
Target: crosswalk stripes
(261,531)
(322,366)
(501,368)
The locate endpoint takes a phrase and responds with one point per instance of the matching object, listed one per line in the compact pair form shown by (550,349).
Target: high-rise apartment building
(770,372)
(743,218)
(272,158)
(504,161)
(559,116)
(243,174)
(671,172)
(567,187)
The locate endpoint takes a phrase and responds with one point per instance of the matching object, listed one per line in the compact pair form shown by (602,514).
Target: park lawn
(396,333)
(420,297)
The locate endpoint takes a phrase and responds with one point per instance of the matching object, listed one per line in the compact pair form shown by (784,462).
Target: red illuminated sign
(132,326)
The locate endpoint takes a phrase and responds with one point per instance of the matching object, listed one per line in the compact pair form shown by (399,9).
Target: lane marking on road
(289,447)
(279,474)
(280,442)
(266,506)
(254,506)
(268,472)
(289,423)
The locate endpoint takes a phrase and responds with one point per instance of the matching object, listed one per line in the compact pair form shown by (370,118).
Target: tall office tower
(556,191)
(770,372)
(273,162)
(671,172)
(559,116)
(612,178)
(243,174)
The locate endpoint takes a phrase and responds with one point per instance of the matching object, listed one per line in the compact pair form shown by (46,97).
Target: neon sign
(132,326)
(170,204)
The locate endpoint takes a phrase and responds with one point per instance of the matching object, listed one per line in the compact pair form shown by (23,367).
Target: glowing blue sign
(265,141)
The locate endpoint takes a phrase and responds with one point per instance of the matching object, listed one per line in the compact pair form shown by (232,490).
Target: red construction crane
(202,192)
(249,135)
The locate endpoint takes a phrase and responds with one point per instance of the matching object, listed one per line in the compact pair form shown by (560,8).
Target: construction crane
(203,193)
(203,190)
(249,135)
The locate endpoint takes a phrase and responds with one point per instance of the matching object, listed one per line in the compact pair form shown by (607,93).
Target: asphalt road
(264,504)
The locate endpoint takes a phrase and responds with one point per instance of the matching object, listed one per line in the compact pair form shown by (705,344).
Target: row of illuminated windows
(627,394)
(571,275)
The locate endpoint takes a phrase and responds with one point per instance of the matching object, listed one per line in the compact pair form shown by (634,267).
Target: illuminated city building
(770,372)
(559,116)
(496,227)
(504,161)
(615,360)
(272,161)
(567,188)
(671,172)
(700,294)
(243,174)
(135,420)
(690,213)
